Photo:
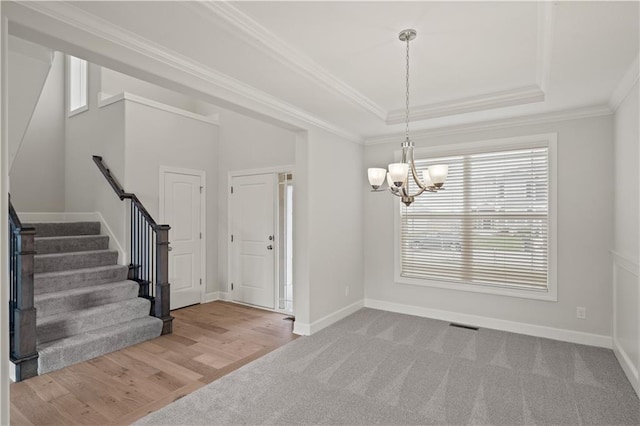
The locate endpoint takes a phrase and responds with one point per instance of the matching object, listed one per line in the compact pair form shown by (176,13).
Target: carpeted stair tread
(81,347)
(76,260)
(48,304)
(67,324)
(73,243)
(48,282)
(65,228)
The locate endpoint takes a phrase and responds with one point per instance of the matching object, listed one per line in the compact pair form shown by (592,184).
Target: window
(77,85)
(490,230)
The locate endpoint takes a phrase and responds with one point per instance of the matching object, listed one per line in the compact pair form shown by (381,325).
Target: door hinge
(200,281)
(201,189)
(232,189)
(201,235)
(231,237)
(231,286)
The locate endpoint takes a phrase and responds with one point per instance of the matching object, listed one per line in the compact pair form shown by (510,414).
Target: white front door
(253,240)
(181,207)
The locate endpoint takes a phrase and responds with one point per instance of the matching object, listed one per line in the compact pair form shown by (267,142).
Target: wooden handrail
(120,192)
(151,253)
(22,324)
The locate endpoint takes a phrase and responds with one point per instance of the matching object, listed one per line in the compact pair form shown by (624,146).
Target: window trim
(549,140)
(85,107)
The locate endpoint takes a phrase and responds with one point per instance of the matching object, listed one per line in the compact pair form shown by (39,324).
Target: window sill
(78,110)
(549,295)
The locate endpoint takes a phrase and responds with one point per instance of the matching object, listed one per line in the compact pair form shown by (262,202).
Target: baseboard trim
(304,329)
(494,323)
(627,366)
(44,217)
(211,297)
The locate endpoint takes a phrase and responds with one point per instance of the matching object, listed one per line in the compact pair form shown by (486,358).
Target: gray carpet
(377,367)
(85,306)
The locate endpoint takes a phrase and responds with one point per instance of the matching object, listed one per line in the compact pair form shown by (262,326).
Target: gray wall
(37,174)
(585,234)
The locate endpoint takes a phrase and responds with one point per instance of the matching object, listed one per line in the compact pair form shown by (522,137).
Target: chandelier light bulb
(398,172)
(438,174)
(376,177)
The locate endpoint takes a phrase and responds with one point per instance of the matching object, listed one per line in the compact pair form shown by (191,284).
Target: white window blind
(490,226)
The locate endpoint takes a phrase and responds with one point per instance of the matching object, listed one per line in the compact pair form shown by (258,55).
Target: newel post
(162,301)
(23,352)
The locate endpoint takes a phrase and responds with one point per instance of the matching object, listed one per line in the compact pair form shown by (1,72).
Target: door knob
(269,247)
(270,237)
(170,248)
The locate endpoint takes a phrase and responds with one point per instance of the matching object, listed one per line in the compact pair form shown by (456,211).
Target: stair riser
(81,278)
(68,245)
(66,229)
(74,323)
(74,261)
(115,293)
(96,344)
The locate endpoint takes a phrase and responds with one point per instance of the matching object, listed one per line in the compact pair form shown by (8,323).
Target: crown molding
(286,54)
(483,102)
(625,85)
(550,117)
(103,29)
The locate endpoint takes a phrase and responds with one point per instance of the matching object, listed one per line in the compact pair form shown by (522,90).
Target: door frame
(203,218)
(276,226)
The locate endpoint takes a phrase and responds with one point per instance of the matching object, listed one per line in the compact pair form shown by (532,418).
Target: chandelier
(398,175)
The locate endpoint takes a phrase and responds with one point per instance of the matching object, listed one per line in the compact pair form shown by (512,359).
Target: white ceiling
(343,62)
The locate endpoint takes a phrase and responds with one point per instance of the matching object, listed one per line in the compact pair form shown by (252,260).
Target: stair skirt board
(85,305)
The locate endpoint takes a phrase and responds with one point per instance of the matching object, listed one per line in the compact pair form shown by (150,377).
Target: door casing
(276,226)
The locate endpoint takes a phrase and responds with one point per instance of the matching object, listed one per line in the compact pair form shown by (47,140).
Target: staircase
(85,305)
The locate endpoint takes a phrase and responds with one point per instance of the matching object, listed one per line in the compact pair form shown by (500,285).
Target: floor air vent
(468,327)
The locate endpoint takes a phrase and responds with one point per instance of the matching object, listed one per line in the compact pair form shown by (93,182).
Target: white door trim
(203,216)
(276,270)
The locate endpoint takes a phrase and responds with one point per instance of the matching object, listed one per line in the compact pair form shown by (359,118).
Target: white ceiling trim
(286,54)
(550,117)
(517,96)
(76,17)
(625,85)
(499,99)
(546,19)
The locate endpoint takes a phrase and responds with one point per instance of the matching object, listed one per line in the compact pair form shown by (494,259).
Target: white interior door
(253,240)
(182,211)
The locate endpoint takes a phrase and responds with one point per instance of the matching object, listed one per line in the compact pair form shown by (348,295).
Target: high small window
(77,85)
(491,228)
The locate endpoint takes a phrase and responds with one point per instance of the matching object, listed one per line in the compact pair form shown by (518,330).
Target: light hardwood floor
(208,341)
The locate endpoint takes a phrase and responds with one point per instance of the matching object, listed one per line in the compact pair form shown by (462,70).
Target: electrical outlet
(346,291)
(581,312)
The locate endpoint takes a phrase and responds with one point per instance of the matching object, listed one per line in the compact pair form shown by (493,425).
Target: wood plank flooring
(208,341)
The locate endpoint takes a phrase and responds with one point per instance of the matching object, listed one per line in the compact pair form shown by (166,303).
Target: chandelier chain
(407,95)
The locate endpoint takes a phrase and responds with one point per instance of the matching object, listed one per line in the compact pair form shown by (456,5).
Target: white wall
(585,212)
(97,131)
(113,83)
(157,138)
(626,253)
(28,67)
(246,144)
(37,174)
(335,185)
